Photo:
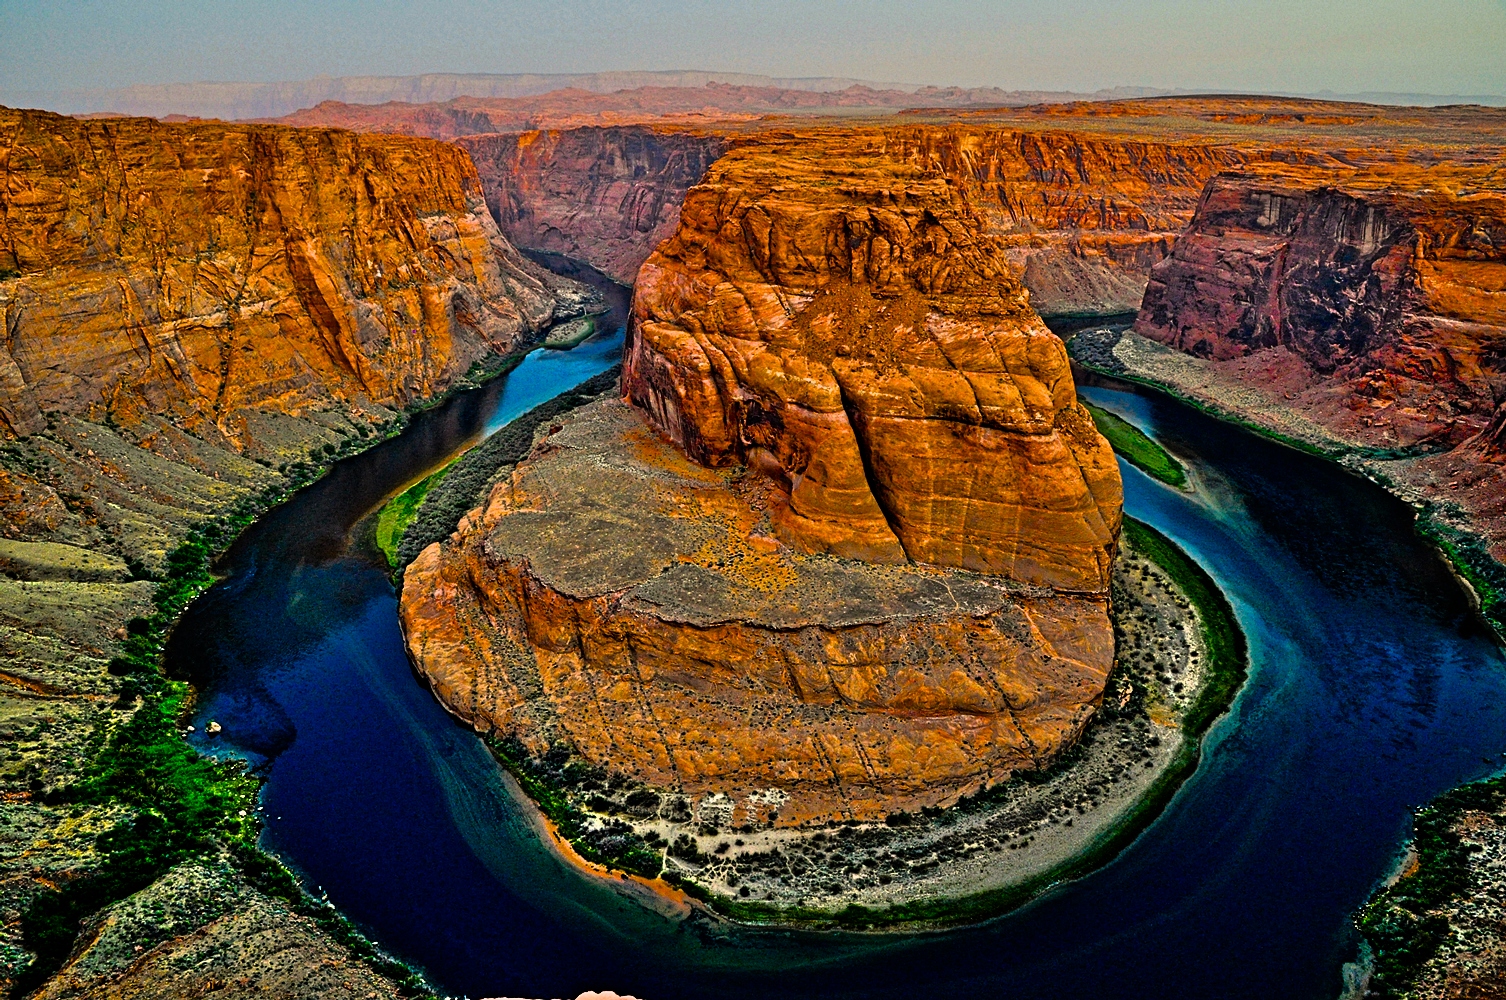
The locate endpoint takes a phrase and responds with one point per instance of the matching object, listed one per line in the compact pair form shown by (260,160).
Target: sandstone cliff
(1385,310)
(835,314)
(607,196)
(204,273)
(189,310)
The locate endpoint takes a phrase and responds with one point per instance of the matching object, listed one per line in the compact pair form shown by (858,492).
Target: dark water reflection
(1371,691)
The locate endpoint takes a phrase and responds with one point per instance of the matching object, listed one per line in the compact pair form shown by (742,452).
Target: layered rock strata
(202,273)
(607,196)
(1388,307)
(617,598)
(846,554)
(835,314)
(1363,315)
(190,310)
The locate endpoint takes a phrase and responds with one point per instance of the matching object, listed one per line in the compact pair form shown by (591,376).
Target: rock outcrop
(616,598)
(188,311)
(833,313)
(846,555)
(607,196)
(1385,309)
(204,273)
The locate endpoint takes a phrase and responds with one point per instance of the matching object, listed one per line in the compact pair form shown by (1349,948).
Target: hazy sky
(1435,46)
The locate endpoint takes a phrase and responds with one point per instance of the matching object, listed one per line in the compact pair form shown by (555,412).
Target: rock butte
(617,597)
(854,371)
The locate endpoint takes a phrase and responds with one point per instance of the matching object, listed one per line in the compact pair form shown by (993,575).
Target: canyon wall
(607,196)
(831,357)
(203,273)
(1388,307)
(191,314)
(1084,216)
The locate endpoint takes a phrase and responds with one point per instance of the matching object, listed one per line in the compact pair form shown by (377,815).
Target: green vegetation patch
(1138,449)
(549,779)
(399,512)
(1472,560)
(183,806)
(1402,922)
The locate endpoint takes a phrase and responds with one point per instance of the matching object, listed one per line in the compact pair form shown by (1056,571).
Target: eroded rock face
(1386,310)
(200,273)
(616,597)
(833,312)
(607,196)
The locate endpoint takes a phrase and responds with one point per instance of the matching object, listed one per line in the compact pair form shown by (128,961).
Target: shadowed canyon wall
(1394,301)
(607,196)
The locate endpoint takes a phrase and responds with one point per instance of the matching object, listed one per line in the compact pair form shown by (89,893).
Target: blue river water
(1372,689)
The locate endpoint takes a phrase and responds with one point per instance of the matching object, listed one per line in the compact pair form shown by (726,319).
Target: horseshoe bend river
(1371,690)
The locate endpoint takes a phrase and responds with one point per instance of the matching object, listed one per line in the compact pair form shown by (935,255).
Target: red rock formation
(203,272)
(1395,302)
(607,196)
(841,346)
(617,599)
(835,314)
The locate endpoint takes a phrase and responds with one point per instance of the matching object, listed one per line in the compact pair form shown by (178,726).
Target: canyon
(197,317)
(841,548)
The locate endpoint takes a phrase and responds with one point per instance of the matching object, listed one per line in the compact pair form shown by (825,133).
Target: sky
(1420,46)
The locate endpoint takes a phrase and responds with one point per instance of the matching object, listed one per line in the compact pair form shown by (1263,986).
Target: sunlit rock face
(838,319)
(205,272)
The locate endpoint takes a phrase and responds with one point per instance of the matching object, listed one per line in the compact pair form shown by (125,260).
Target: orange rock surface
(832,356)
(203,272)
(614,597)
(835,313)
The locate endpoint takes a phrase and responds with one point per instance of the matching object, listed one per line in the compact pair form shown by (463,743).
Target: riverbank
(1460,506)
(1434,932)
(74,779)
(1181,660)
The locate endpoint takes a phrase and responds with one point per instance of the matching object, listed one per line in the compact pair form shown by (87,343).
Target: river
(1371,690)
